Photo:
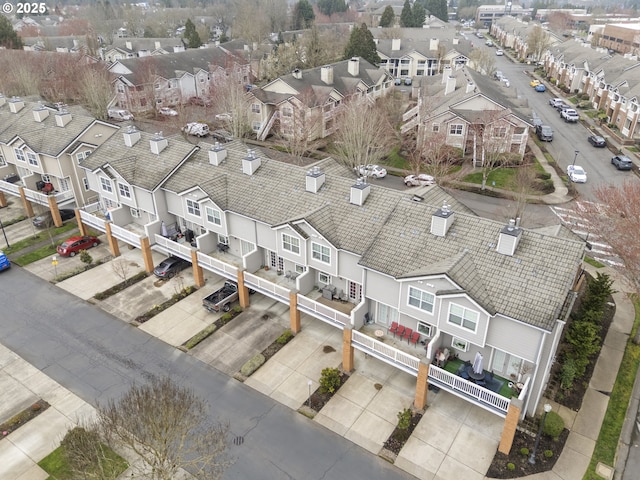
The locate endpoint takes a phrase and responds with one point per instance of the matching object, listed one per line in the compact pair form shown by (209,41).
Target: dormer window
(193,208)
(105,183)
(291,244)
(124,190)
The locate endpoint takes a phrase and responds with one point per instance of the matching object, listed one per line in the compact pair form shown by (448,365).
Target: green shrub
(543,175)
(237,309)
(511,467)
(553,425)
(404,419)
(285,337)
(548,453)
(524,451)
(85,257)
(330,380)
(568,374)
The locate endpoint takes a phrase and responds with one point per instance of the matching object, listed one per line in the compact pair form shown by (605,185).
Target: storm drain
(238,440)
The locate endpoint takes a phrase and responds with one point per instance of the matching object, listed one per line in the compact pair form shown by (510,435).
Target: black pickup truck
(222,298)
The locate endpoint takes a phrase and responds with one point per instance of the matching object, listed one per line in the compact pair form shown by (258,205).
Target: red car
(73,245)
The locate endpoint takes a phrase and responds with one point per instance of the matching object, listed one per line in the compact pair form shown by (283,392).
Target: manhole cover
(238,440)
(265,317)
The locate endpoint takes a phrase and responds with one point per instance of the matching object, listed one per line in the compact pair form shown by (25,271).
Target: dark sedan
(170,267)
(597,141)
(621,162)
(46,220)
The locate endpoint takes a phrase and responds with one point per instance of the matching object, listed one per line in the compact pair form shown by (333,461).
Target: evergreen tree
(361,44)
(303,15)
(388,17)
(191,36)
(406,17)
(8,36)
(438,8)
(419,14)
(329,7)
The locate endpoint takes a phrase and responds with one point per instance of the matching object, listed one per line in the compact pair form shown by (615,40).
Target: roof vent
(217,154)
(395,44)
(16,104)
(62,117)
(297,74)
(508,239)
(40,113)
(441,220)
(315,179)
(353,66)
(158,143)
(326,74)
(359,192)
(250,163)
(131,136)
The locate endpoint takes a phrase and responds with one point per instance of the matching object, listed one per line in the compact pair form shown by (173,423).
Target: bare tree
(482,60)
(301,125)
(120,267)
(538,42)
(95,89)
(363,133)
(86,455)
(229,95)
(165,425)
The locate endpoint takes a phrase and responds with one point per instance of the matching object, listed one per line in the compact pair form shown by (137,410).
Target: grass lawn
(503,177)
(55,464)
(394,159)
(40,253)
(38,237)
(593,262)
(605,449)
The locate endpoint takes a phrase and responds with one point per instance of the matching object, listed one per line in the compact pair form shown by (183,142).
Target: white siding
(514,337)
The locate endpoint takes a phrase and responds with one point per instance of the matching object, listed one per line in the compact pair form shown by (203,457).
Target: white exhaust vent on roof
(131,136)
(509,238)
(158,143)
(16,104)
(359,192)
(353,67)
(62,117)
(251,163)
(40,113)
(442,220)
(217,154)
(326,74)
(315,179)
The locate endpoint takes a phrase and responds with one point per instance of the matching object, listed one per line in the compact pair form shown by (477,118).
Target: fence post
(422,384)
(198,275)
(113,241)
(510,424)
(294,313)
(347,348)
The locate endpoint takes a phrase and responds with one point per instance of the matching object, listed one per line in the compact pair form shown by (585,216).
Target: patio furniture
(415,336)
(328,292)
(441,357)
(400,330)
(476,377)
(393,328)
(378,333)
(407,334)
(223,247)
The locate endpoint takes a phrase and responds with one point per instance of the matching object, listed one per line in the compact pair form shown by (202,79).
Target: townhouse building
(122,49)
(514,33)
(458,108)
(40,148)
(351,254)
(306,102)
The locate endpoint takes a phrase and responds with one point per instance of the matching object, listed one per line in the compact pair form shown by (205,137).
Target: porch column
(55,211)
(510,424)
(422,384)
(347,349)
(198,274)
(27,204)
(3,200)
(243,292)
(294,313)
(81,226)
(145,248)
(113,241)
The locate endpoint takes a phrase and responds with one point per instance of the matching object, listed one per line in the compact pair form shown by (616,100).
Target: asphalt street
(98,357)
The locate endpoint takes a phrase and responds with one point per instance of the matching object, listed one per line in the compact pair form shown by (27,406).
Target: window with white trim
(421,299)
(46,178)
(500,132)
(105,183)
(460,344)
(223,239)
(213,216)
(435,127)
(287,111)
(19,155)
(256,126)
(135,213)
(424,329)
(85,182)
(291,244)
(246,247)
(32,159)
(120,88)
(300,268)
(64,184)
(255,108)
(321,253)
(456,129)
(2,161)
(463,317)
(324,278)
(124,190)
(82,155)
(193,208)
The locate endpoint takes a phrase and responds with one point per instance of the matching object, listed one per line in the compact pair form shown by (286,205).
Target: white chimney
(128,45)
(178,48)
(450,86)
(157,45)
(456,41)
(250,163)
(297,74)
(131,136)
(509,238)
(158,143)
(326,74)
(62,118)
(446,71)
(3,100)
(433,44)
(395,44)
(15,105)
(40,113)
(354,66)
(470,87)
(217,154)
(442,220)
(359,192)
(315,179)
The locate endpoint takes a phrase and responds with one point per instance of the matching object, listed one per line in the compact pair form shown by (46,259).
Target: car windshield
(578,170)
(65,244)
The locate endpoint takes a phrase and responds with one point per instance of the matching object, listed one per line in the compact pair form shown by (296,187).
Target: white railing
(409,125)
(174,248)
(93,221)
(410,113)
(525,389)
(386,353)
(216,266)
(125,235)
(517,137)
(266,287)
(64,196)
(463,388)
(324,313)
(37,197)
(9,187)
(92,207)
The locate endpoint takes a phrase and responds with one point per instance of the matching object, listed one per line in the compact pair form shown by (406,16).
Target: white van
(119,114)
